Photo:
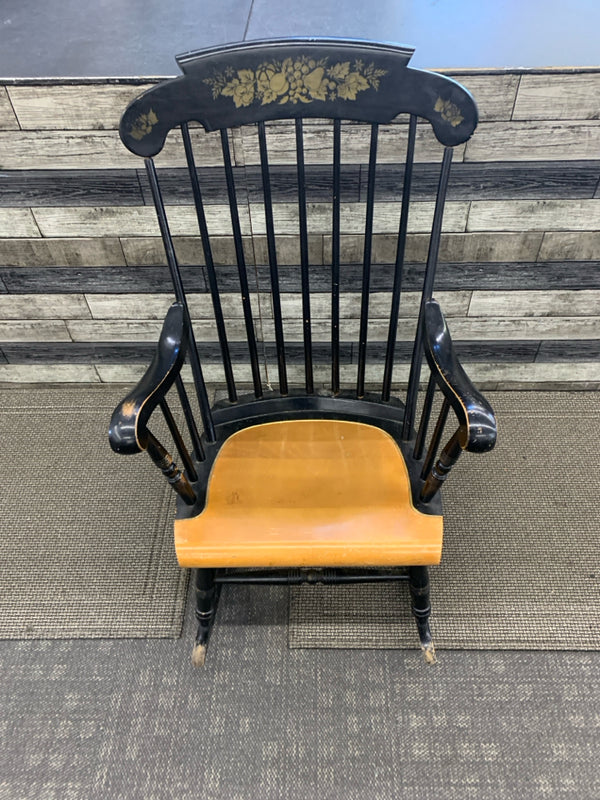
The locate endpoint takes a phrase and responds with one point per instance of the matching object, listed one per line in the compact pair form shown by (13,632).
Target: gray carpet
(521,561)
(132,720)
(86,547)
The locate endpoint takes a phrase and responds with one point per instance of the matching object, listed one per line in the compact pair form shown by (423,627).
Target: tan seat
(309,493)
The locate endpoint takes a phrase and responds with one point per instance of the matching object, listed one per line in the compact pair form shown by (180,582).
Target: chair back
(320,96)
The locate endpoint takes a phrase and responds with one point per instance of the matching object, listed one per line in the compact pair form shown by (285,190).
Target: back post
(426,294)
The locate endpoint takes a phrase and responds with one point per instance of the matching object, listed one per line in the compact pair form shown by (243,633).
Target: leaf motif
(296,80)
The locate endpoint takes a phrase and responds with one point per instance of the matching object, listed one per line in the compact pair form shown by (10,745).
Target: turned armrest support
(477,423)
(127,432)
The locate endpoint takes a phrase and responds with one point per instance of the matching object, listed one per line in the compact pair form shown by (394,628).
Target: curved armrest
(478,430)
(127,432)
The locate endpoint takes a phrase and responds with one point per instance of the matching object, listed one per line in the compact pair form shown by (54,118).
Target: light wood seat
(309,493)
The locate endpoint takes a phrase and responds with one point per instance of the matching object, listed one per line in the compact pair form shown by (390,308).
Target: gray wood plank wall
(83,283)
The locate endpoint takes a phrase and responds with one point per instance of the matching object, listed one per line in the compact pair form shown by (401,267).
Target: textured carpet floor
(91,720)
(86,547)
(521,560)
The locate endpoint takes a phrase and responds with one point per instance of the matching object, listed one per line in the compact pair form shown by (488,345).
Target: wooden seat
(309,493)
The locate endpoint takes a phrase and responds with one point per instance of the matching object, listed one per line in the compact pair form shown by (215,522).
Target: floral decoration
(295,80)
(143,125)
(448,111)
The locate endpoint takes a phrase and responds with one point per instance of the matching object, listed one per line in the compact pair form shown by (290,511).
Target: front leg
(421,609)
(207,597)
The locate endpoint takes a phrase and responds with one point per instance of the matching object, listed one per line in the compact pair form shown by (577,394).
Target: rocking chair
(314,483)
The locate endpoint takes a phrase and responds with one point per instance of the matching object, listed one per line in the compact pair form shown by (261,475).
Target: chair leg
(421,609)
(207,597)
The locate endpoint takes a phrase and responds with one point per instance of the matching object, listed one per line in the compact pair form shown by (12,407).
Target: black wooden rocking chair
(305,484)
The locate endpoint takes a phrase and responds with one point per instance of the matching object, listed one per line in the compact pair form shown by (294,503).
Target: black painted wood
(93,187)
(258,81)
(477,425)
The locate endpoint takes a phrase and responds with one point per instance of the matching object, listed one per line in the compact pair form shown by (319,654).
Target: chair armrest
(127,432)
(477,431)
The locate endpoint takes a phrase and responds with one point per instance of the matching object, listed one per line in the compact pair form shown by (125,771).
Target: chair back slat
(179,443)
(302,220)
(366,275)
(432,256)
(210,266)
(163,223)
(189,418)
(436,437)
(272,252)
(241,265)
(399,265)
(335,260)
(425,415)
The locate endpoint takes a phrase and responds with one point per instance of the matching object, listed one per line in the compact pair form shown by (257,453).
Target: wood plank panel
(461,328)
(72,107)
(123,330)
(147,251)
(466,351)
(578,350)
(524,328)
(287,248)
(105,280)
(491,180)
(318,144)
(558,97)
(8,120)
(34,331)
(70,188)
(131,373)
(453,303)
(43,306)
(570,246)
(61,252)
(534,141)
(143,330)
(454,247)
(563,303)
(79,352)
(494,94)
(544,375)
(534,215)
(48,373)
(155,306)
(17,223)
(130,221)
(386,217)
(95,150)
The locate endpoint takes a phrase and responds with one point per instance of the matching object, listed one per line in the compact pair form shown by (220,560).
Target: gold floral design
(143,125)
(299,80)
(449,111)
